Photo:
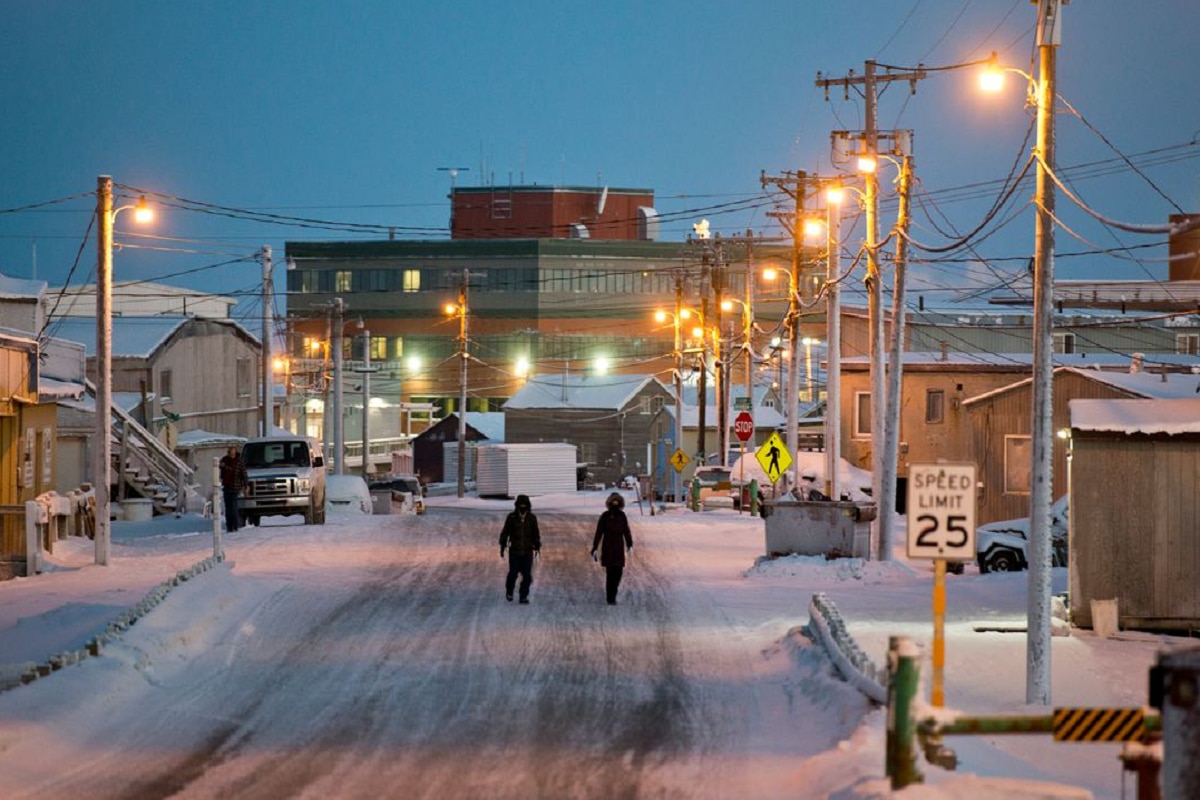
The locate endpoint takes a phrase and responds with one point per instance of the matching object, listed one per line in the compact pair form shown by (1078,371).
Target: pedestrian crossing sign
(774,457)
(679,460)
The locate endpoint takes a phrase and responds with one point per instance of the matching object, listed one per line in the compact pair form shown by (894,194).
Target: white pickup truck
(286,476)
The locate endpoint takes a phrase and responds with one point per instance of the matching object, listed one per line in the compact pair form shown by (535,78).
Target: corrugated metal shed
(507,470)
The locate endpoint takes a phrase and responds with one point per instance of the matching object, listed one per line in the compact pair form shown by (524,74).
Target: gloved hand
(537,552)
(629,549)
(594,556)
(502,551)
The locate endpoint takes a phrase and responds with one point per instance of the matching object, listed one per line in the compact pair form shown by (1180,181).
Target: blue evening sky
(345,111)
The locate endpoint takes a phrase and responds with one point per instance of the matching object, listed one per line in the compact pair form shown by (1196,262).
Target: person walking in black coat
(524,541)
(614,539)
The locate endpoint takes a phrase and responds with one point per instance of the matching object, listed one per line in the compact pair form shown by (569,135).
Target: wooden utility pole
(1037,662)
(795,185)
(268,322)
(885,495)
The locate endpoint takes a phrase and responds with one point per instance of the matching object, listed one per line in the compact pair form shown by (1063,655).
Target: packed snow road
(377,657)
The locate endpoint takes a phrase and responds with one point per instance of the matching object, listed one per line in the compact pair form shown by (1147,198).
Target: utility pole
(366,371)
(678,378)
(462,385)
(339,439)
(702,382)
(891,447)
(102,456)
(1037,662)
(796,185)
(833,347)
(885,496)
(720,373)
(268,322)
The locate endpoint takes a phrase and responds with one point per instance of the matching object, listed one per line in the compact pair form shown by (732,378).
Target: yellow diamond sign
(774,457)
(679,460)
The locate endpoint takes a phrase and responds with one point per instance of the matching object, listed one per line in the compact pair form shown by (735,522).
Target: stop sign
(743,426)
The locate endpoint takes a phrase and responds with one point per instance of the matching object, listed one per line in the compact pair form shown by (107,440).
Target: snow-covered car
(1001,546)
(347,493)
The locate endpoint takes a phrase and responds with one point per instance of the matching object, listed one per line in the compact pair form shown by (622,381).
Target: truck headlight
(304,485)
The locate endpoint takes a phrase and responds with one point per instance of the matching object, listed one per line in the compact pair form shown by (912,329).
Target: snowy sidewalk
(73,599)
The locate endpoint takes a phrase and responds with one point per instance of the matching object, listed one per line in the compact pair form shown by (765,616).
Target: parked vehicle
(406,491)
(286,475)
(1001,546)
(348,493)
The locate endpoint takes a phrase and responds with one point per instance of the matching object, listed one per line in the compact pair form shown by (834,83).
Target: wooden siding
(1010,413)
(618,437)
(922,442)
(1133,534)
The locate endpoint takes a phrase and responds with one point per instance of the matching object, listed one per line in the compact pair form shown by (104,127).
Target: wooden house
(613,420)
(1001,426)
(26,446)
(933,420)
(192,373)
(430,446)
(1134,469)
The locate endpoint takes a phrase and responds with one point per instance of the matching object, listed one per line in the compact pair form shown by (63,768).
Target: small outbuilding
(1134,469)
(507,470)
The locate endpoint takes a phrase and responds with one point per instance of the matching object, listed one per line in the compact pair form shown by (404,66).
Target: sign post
(941,526)
(743,426)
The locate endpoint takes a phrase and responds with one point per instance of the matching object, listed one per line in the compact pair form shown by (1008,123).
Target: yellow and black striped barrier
(1099,724)
(1066,724)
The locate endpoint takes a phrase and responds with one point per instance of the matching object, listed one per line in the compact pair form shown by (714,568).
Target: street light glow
(835,194)
(142,212)
(991,77)
(867,164)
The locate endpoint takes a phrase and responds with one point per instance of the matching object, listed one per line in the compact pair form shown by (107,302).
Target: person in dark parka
(613,539)
(523,540)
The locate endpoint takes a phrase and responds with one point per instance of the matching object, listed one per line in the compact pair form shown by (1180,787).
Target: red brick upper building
(552,212)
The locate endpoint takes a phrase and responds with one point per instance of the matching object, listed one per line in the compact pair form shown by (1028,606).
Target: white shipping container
(507,470)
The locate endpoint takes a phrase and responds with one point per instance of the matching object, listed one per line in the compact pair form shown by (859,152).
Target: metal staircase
(146,467)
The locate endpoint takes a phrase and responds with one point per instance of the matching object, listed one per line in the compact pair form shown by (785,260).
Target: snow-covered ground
(734,625)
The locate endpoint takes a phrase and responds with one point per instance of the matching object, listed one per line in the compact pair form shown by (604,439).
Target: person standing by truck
(233,483)
(523,541)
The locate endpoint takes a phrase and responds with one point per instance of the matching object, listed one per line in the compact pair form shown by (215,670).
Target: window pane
(862,414)
(935,406)
(1018,452)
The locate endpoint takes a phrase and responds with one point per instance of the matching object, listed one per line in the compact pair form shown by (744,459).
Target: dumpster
(381,501)
(834,529)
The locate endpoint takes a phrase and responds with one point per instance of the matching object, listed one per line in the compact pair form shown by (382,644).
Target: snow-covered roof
(136,337)
(52,389)
(489,423)
(1172,417)
(1144,384)
(579,391)
(203,438)
(20,288)
(764,417)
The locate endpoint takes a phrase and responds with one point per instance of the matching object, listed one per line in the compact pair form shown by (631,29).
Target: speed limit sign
(941,511)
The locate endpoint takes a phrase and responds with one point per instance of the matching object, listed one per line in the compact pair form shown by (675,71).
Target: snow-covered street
(376,656)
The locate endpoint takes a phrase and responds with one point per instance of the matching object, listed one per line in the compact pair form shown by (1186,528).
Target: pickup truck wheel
(1003,561)
(310,514)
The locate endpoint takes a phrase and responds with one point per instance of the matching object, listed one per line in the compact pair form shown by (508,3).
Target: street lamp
(460,310)
(102,457)
(677,319)
(834,196)
(365,370)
